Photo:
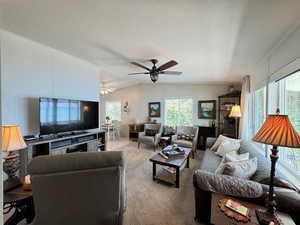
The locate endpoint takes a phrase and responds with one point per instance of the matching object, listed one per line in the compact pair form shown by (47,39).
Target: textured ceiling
(213,41)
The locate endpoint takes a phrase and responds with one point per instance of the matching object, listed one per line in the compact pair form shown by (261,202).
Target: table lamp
(277,130)
(12,140)
(236,113)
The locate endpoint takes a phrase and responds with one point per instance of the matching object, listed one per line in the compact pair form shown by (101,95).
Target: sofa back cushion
(210,161)
(150,132)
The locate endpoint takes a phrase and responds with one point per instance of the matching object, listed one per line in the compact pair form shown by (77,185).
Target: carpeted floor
(153,203)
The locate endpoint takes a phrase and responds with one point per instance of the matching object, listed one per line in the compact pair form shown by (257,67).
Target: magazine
(237,207)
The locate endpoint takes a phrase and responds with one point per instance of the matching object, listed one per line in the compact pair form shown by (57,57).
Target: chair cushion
(188,137)
(146,139)
(183,143)
(150,132)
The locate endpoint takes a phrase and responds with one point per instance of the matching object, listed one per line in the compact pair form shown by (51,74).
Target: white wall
(30,70)
(283,59)
(139,96)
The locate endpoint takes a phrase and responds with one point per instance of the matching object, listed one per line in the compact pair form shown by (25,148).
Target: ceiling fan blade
(138,73)
(170,72)
(167,65)
(140,65)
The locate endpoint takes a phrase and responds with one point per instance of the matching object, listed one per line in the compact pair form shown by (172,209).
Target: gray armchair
(79,188)
(184,131)
(150,139)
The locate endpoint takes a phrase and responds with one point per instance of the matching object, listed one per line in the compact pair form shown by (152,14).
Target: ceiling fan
(155,71)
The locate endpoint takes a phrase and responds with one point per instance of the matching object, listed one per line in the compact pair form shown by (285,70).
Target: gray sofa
(79,188)
(254,190)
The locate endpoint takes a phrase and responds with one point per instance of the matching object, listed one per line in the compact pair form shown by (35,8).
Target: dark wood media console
(83,142)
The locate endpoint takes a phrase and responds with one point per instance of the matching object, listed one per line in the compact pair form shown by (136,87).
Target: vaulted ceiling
(213,41)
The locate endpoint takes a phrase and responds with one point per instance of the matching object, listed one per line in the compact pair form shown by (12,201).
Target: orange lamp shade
(12,138)
(277,130)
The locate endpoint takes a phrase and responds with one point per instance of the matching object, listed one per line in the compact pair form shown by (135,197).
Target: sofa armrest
(195,139)
(210,142)
(157,138)
(141,134)
(227,185)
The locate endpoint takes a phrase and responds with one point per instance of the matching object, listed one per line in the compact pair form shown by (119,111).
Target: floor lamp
(277,130)
(236,114)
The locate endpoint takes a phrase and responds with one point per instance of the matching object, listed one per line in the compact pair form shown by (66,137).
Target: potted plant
(107,119)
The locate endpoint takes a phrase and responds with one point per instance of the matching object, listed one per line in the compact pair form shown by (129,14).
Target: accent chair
(186,136)
(151,135)
(79,188)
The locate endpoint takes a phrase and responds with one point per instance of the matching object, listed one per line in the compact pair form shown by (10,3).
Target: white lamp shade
(12,138)
(235,111)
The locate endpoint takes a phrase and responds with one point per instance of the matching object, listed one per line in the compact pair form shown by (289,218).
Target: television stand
(68,134)
(82,141)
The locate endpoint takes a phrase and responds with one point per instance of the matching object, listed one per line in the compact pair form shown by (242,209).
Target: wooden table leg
(188,162)
(153,171)
(177,177)
(23,209)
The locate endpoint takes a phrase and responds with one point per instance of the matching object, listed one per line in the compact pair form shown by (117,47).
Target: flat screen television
(65,115)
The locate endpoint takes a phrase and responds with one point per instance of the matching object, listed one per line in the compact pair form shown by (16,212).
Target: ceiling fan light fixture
(154,71)
(104,90)
(154,77)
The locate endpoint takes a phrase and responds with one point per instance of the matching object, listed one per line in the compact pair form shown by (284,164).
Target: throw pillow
(150,132)
(242,169)
(227,146)
(231,157)
(234,156)
(220,139)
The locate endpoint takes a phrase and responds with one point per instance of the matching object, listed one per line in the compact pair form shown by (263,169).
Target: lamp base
(265,218)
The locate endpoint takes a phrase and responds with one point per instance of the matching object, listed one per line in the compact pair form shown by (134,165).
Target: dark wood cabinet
(203,134)
(227,125)
(134,130)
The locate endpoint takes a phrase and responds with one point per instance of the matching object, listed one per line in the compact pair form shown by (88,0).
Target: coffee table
(175,162)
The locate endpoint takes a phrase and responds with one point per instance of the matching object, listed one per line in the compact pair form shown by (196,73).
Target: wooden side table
(219,218)
(165,141)
(22,202)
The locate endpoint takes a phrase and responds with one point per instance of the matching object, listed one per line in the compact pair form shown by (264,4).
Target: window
(285,95)
(113,110)
(290,105)
(179,112)
(259,108)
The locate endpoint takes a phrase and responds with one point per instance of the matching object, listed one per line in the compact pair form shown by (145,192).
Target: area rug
(151,202)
